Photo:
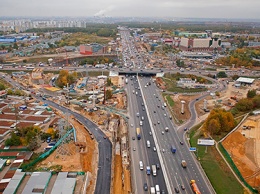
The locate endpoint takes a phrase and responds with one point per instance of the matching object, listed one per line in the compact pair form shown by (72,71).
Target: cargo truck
(138,133)
(183,163)
(152,190)
(194,187)
(154,170)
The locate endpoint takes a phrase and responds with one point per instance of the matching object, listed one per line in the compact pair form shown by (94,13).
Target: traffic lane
(153,157)
(179,148)
(105,152)
(136,155)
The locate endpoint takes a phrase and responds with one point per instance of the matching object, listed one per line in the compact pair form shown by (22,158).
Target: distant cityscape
(21,25)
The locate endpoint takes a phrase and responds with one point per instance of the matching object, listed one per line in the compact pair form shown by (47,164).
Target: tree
(222,74)
(109,94)
(251,93)
(244,105)
(235,77)
(109,82)
(14,140)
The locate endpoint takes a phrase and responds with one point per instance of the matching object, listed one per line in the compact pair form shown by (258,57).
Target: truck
(148,170)
(173,149)
(148,144)
(157,188)
(154,170)
(194,187)
(152,190)
(183,163)
(138,133)
(126,81)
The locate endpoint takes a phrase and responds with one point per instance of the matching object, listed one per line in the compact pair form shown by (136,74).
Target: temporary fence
(46,154)
(235,169)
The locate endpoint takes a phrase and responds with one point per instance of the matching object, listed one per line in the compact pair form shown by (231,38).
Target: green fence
(46,154)
(235,169)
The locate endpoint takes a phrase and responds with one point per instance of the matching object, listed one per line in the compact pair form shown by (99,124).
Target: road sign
(193,149)
(207,142)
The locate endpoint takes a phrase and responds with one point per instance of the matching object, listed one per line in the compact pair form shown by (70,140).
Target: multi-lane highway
(160,117)
(139,149)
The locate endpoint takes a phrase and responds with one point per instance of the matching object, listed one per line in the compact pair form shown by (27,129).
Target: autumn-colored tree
(219,121)
(244,105)
(109,94)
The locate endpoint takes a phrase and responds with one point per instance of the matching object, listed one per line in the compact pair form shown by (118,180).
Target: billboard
(193,149)
(207,142)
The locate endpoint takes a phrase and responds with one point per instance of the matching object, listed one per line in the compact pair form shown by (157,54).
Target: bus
(30,68)
(138,133)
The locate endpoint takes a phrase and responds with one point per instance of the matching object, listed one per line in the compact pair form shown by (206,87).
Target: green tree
(2,86)
(14,140)
(222,74)
(244,105)
(251,93)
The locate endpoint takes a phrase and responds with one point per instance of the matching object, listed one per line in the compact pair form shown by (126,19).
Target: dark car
(197,99)
(176,190)
(162,192)
(145,187)
(181,142)
(157,166)
(133,138)
(182,187)
(154,111)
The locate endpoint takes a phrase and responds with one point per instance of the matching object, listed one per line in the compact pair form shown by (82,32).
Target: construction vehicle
(194,187)
(138,133)
(183,163)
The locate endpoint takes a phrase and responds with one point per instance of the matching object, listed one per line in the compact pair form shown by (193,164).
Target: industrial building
(64,183)
(91,49)
(37,183)
(245,81)
(200,44)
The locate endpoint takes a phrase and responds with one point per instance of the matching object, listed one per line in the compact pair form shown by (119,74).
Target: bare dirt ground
(118,183)
(244,148)
(176,109)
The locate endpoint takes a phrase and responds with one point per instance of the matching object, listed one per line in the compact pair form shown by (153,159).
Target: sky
(133,8)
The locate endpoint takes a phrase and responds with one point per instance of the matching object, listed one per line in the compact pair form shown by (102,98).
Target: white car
(162,132)
(154,149)
(132,125)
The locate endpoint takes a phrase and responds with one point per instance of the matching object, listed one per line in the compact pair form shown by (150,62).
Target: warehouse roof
(37,183)
(245,80)
(63,184)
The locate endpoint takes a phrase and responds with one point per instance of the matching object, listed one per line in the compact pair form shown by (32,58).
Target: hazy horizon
(228,9)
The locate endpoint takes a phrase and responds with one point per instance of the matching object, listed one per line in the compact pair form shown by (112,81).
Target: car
(162,132)
(163,150)
(104,137)
(133,138)
(134,149)
(185,129)
(143,109)
(142,104)
(154,149)
(154,111)
(145,187)
(181,142)
(170,117)
(197,99)
(158,166)
(154,124)
(162,192)
(158,122)
(158,106)
(165,115)
(176,190)
(132,125)
(150,133)
(182,187)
